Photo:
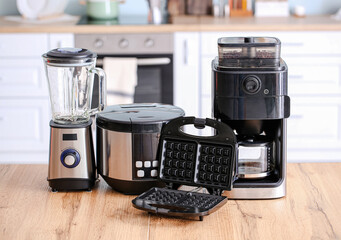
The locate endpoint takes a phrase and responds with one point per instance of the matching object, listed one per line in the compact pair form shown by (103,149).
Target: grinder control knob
(251,84)
(70,158)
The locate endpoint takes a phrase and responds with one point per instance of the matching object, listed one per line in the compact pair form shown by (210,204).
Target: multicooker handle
(102,89)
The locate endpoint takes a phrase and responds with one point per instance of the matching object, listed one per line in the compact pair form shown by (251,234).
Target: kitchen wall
(130,7)
(140,7)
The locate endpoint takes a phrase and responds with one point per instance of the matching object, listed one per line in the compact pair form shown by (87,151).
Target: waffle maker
(196,161)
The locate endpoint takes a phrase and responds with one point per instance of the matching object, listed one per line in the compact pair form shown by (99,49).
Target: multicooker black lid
(137,117)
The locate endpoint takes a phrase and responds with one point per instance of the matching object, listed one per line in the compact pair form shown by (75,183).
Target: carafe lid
(67,56)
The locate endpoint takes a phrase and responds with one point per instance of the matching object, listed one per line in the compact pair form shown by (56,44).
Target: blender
(70,73)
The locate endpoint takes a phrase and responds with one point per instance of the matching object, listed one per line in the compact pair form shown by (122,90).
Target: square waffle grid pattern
(178,161)
(214,165)
(198,164)
(181,199)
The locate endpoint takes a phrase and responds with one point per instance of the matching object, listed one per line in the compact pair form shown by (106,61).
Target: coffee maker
(249,83)
(70,74)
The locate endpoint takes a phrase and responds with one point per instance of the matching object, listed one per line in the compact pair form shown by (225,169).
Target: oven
(154,53)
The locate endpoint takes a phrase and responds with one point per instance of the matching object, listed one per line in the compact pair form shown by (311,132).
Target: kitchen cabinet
(24,98)
(314,61)
(187,80)
(186,72)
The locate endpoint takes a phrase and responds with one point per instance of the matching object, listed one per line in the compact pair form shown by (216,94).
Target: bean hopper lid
(249,52)
(69,56)
(137,117)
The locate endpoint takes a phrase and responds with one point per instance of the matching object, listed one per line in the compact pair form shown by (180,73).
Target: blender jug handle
(102,89)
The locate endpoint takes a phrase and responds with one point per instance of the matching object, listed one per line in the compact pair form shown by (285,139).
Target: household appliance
(70,74)
(250,87)
(192,160)
(127,142)
(154,53)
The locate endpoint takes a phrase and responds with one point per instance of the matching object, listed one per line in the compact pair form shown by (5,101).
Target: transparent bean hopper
(70,74)
(249,52)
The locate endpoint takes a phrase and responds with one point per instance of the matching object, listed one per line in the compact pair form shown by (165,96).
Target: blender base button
(147,164)
(138,164)
(155,163)
(69,160)
(153,173)
(140,173)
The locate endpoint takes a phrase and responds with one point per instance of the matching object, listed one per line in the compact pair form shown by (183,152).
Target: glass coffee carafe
(70,73)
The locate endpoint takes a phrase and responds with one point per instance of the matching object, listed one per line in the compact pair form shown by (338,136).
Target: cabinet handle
(293,44)
(144,61)
(185,52)
(296,76)
(61,43)
(296,116)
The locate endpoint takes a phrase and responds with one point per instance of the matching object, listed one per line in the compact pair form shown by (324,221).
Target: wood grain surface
(29,210)
(185,24)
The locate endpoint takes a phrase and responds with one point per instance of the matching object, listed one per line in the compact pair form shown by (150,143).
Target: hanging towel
(121,79)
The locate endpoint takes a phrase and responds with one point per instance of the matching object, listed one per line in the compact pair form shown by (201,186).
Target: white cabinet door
(314,129)
(186,72)
(309,43)
(314,75)
(22,78)
(23,45)
(206,76)
(24,125)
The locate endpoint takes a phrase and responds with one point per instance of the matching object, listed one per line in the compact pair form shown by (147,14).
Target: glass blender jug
(70,74)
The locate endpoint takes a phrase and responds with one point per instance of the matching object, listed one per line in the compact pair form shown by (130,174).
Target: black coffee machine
(250,95)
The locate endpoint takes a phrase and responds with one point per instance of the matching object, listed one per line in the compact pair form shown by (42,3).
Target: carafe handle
(102,90)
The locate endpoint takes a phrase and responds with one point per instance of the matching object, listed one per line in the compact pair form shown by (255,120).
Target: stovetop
(122,20)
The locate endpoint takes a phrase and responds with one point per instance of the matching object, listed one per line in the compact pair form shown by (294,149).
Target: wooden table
(29,210)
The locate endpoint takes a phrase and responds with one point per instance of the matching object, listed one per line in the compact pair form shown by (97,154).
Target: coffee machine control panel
(70,158)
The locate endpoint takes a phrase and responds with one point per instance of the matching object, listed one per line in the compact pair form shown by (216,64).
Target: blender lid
(137,117)
(70,53)
(69,56)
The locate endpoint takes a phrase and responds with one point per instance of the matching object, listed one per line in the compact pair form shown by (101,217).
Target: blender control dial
(70,158)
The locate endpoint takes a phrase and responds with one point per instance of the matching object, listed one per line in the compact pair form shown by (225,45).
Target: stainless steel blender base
(72,160)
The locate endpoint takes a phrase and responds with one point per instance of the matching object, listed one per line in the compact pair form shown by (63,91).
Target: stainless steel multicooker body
(127,143)
(250,88)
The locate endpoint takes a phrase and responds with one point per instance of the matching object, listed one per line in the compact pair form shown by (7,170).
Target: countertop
(184,23)
(29,210)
